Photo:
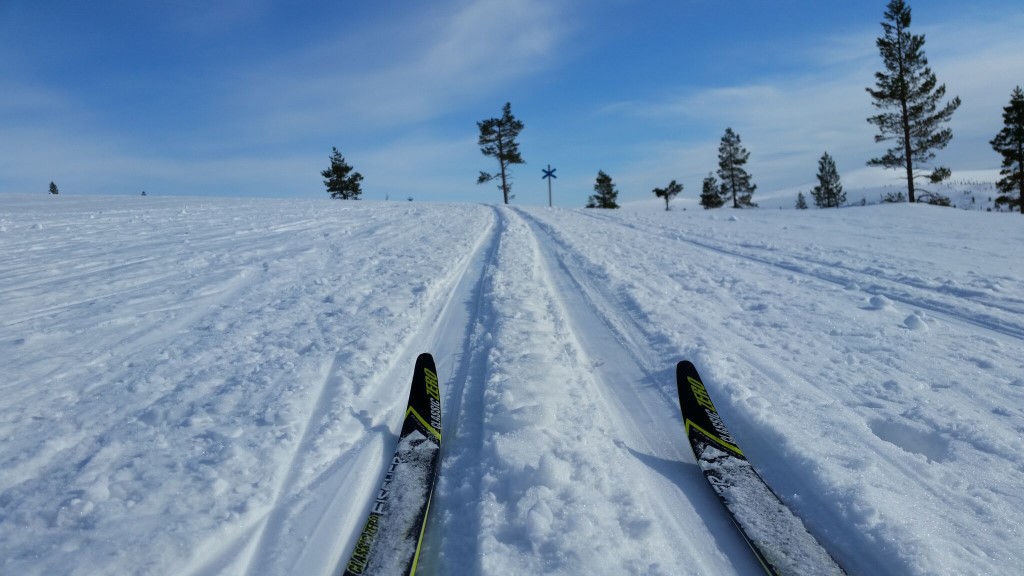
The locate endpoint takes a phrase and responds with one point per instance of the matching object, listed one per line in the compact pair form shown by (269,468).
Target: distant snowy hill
(214,386)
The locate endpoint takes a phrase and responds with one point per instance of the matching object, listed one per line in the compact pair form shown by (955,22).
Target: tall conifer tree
(605,194)
(829,191)
(909,96)
(711,193)
(341,182)
(498,140)
(1010,144)
(732,157)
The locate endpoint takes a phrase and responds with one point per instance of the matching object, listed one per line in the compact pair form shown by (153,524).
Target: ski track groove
(250,537)
(274,520)
(873,360)
(608,343)
(463,402)
(765,443)
(875,285)
(908,301)
(429,335)
(656,439)
(750,354)
(393,375)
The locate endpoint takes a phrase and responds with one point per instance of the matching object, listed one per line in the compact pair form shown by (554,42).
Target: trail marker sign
(549,174)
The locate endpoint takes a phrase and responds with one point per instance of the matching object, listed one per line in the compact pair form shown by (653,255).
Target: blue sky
(246,98)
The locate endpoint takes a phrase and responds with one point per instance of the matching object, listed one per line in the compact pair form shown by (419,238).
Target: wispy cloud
(420,66)
(787,121)
(398,87)
(372,88)
(982,74)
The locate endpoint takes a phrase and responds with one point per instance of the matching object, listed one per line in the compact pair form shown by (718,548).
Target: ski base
(393,533)
(778,538)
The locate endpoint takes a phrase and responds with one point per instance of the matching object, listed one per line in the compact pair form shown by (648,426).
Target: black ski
(778,538)
(391,538)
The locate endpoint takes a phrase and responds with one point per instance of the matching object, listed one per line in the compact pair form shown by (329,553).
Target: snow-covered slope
(201,386)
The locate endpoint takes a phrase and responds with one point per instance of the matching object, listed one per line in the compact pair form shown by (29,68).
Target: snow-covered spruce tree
(711,193)
(732,157)
(669,192)
(909,96)
(801,202)
(498,140)
(829,191)
(53,188)
(605,194)
(342,183)
(1010,144)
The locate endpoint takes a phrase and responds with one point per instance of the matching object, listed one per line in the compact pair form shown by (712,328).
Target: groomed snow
(215,386)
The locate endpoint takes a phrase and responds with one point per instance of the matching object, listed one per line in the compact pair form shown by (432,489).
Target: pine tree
(605,193)
(829,191)
(669,192)
(1010,144)
(732,156)
(711,193)
(342,183)
(498,140)
(801,202)
(908,89)
(53,188)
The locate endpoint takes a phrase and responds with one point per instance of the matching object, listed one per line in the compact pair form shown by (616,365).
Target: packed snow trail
(784,345)
(212,386)
(555,460)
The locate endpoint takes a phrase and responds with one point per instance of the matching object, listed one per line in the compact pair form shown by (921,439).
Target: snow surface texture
(203,387)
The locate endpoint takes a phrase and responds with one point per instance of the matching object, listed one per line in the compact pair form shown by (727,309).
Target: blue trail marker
(549,174)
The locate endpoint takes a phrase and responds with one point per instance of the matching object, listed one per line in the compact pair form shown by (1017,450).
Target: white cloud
(399,91)
(981,63)
(383,77)
(409,70)
(788,121)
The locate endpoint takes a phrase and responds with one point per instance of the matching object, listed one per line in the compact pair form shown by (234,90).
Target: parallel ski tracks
(462,366)
(454,525)
(637,379)
(755,358)
(980,314)
(320,502)
(274,523)
(618,312)
(635,375)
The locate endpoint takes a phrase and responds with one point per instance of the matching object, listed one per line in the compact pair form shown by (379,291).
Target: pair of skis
(393,533)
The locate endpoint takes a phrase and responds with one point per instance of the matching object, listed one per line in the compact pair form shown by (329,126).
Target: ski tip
(686,367)
(425,359)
